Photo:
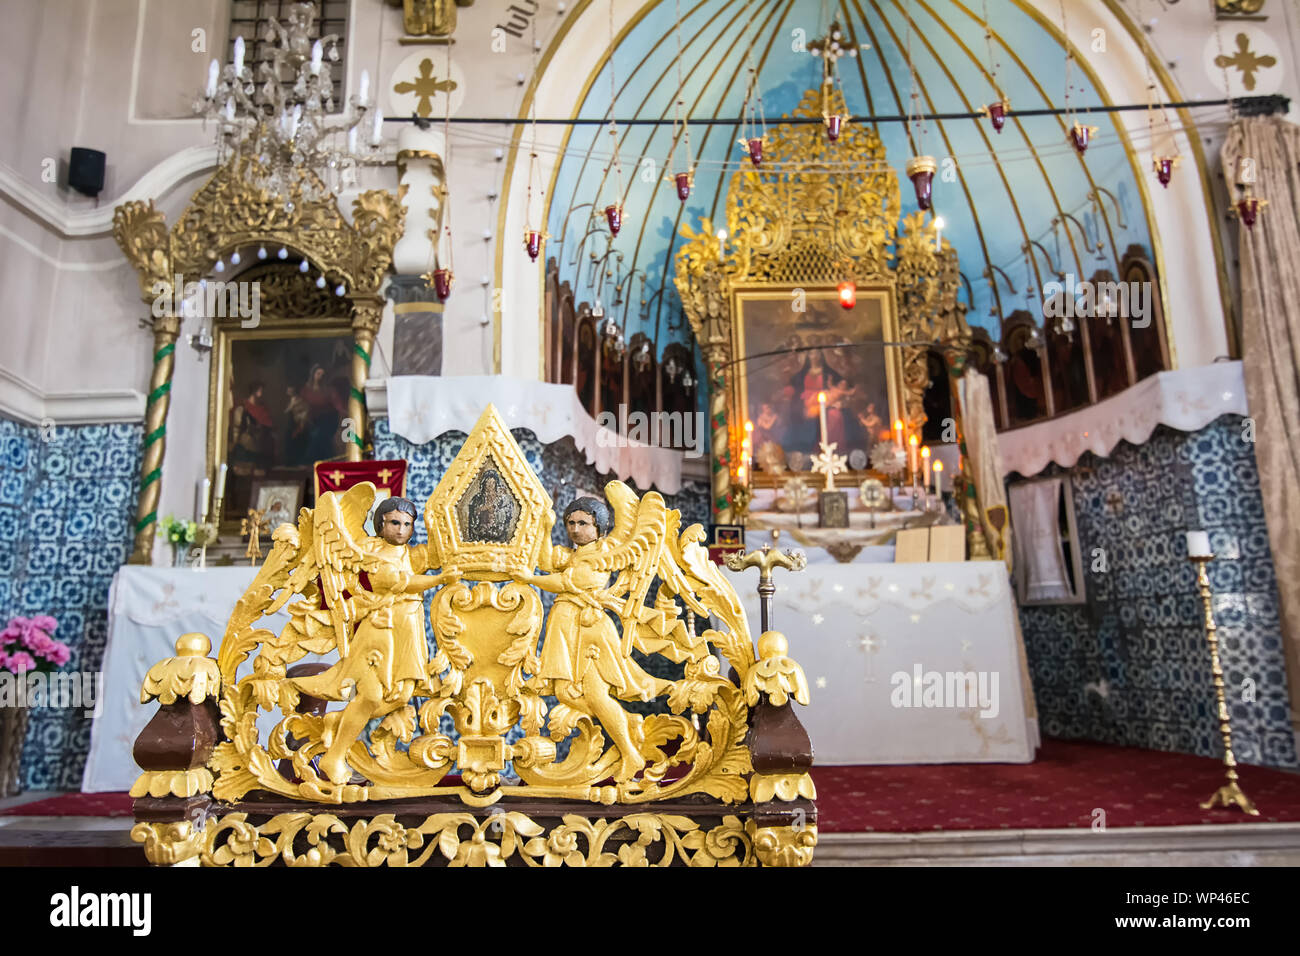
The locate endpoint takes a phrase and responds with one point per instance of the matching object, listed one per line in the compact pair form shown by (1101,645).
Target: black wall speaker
(86,171)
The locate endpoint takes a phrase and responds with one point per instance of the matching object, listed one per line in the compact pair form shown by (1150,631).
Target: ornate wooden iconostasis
(232,223)
(764,306)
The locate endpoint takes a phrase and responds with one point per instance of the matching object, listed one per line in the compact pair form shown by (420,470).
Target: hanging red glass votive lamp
(1080,135)
(754,147)
(834,125)
(920,170)
(614,216)
(848,292)
(533,240)
(997,114)
(1248,208)
(683,183)
(1164,167)
(442,282)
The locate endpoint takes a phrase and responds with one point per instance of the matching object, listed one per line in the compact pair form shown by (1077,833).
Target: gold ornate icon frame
(815,214)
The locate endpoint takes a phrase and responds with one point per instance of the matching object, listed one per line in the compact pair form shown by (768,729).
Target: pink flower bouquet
(26,645)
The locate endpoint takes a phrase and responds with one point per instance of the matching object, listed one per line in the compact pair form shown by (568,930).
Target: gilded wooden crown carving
(229,212)
(533,697)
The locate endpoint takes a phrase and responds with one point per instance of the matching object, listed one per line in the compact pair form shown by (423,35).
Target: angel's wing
(330,550)
(686,564)
(634,543)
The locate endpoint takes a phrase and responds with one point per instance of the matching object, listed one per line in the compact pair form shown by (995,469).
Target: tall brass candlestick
(1230,793)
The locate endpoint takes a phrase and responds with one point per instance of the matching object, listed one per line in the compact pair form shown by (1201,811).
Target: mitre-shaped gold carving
(489,515)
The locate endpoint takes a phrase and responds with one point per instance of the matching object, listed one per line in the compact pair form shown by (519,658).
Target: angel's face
(397,527)
(581,527)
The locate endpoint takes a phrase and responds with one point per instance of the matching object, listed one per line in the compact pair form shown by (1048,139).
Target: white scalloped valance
(1187,399)
(422,407)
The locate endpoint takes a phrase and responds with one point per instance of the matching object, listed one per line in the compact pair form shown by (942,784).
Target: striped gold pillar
(166,328)
(366,316)
(721,451)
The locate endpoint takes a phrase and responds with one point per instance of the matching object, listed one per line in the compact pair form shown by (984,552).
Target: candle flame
(912,441)
(749,426)
(925,452)
(938,466)
(821,397)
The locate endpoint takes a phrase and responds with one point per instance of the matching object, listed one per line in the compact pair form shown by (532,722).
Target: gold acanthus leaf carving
(189,674)
(140,230)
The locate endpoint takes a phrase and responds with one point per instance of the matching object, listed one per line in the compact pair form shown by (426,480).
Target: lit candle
(378,133)
(898,432)
(938,477)
(315,58)
(1198,544)
(925,466)
(821,411)
(214,71)
(363,88)
(239,55)
(201,505)
(911,450)
(221,482)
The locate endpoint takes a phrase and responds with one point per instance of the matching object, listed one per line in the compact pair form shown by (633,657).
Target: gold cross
(384,474)
(1245,61)
(336,476)
(426,86)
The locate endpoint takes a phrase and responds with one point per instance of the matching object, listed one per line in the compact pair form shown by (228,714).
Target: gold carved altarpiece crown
(816,212)
(720,778)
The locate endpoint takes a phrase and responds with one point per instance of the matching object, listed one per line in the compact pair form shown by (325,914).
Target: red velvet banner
(388,476)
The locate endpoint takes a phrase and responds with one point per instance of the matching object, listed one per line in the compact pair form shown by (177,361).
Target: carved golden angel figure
(374,581)
(583,658)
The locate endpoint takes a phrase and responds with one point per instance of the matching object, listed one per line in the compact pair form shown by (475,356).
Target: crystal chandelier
(293,145)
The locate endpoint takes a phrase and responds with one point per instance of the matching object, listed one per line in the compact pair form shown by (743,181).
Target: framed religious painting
(793,344)
(277,404)
(278,499)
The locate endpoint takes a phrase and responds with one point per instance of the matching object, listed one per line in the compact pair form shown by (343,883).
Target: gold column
(366,316)
(166,328)
(720,457)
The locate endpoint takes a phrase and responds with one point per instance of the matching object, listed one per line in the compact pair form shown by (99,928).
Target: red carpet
(1062,788)
(75,805)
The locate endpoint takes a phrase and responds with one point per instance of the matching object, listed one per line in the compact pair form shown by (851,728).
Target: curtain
(1270,345)
(1035,509)
(979,428)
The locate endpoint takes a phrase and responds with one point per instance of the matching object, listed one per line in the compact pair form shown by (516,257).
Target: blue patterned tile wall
(1131,665)
(562,468)
(67,498)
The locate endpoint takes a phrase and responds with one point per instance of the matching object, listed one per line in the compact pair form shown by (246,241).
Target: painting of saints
(252,443)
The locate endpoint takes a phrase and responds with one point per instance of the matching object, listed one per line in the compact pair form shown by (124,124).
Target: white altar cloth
(1186,399)
(852,627)
(148,608)
(422,407)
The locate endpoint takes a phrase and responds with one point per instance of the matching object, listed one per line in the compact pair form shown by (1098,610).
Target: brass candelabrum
(1230,794)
